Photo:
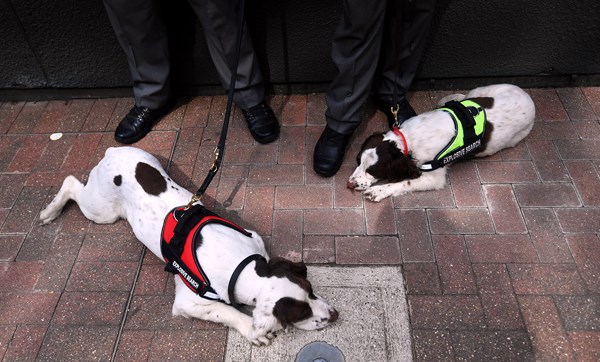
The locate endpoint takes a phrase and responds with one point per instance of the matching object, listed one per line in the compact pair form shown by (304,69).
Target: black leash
(220,148)
(403,9)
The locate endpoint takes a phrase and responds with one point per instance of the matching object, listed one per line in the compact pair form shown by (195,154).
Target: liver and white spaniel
(129,183)
(399,161)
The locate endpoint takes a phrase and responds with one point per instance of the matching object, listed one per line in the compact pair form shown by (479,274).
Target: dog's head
(287,299)
(381,159)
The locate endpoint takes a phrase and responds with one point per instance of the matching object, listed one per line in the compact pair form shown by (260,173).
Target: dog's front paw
(257,337)
(377,193)
(263,339)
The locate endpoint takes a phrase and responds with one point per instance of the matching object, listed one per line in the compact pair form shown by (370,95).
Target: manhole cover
(319,352)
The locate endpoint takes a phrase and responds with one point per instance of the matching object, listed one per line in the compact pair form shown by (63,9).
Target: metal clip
(195,198)
(394,110)
(214,167)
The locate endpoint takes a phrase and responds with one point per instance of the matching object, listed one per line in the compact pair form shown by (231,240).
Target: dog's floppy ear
(289,310)
(298,269)
(372,141)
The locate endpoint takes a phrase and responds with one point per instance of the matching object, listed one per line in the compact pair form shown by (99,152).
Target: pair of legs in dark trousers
(366,52)
(141,32)
(376,47)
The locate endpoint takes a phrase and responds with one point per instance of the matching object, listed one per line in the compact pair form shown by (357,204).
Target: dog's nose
(351,185)
(333,316)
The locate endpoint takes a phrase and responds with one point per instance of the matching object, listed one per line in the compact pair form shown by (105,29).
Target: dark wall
(63,44)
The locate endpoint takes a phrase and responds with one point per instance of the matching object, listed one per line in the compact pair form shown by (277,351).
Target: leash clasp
(215,167)
(195,198)
(394,109)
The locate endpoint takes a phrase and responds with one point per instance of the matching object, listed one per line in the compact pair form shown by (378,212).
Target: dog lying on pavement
(411,158)
(130,183)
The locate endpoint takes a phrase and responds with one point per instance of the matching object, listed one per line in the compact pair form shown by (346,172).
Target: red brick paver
(502,264)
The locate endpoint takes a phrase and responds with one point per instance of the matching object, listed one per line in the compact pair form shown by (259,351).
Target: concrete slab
(373,323)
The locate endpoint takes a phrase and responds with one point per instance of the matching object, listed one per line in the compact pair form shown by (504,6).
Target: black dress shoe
(405,111)
(329,152)
(139,121)
(262,123)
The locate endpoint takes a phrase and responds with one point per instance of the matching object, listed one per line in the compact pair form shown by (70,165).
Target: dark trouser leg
(220,25)
(398,68)
(141,33)
(355,51)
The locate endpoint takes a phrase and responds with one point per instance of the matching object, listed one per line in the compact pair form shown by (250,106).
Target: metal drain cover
(319,352)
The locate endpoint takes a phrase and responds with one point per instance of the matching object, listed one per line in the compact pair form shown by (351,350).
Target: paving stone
(547,236)
(102,276)
(579,312)
(430,199)
(586,252)
(90,308)
(99,115)
(8,113)
(380,218)
(504,209)
(287,234)
(335,222)
(11,188)
(110,247)
(303,197)
(292,146)
(78,343)
(545,279)
(546,195)
(501,248)
(414,236)
(465,185)
(454,265)
(25,343)
(579,149)
(492,278)
(154,312)
(134,345)
(14,279)
(446,312)
(583,220)
(9,246)
(506,172)
(575,103)
(27,307)
(545,329)
(586,345)
(502,311)
(315,109)
(318,249)
(586,181)
(492,345)
(460,221)
(422,278)
(433,345)
(275,175)
(367,250)
(258,210)
(29,115)
(545,101)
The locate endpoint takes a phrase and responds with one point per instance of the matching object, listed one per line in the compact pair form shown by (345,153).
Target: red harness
(180,239)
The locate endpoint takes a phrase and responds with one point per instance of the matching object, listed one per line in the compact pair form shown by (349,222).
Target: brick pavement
(502,264)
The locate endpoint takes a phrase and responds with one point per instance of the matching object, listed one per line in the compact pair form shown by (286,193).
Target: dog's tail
(451,97)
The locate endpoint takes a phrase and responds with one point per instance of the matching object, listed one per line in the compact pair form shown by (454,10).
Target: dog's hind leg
(70,189)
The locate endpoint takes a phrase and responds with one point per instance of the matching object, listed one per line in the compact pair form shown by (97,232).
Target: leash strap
(220,148)
(236,274)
